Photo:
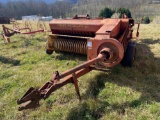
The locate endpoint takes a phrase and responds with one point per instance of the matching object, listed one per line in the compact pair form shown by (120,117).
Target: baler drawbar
(32,96)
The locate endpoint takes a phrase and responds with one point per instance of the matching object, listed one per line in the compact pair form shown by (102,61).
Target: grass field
(121,93)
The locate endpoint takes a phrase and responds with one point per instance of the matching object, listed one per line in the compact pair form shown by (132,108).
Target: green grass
(122,93)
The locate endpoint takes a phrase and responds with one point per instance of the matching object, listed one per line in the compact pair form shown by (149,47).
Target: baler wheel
(129,55)
(49,52)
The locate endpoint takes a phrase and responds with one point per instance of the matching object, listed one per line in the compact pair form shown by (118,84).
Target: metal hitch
(29,100)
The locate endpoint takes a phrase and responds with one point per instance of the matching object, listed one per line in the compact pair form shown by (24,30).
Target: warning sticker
(89,44)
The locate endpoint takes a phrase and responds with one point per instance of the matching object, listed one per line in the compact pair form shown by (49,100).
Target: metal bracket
(75,81)
(55,77)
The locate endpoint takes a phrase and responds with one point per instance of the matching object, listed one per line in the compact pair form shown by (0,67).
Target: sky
(48,1)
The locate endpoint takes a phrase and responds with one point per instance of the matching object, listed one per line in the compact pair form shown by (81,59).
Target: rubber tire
(49,52)
(129,55)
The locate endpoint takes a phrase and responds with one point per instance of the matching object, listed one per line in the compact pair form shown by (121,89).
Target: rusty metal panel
(73,27)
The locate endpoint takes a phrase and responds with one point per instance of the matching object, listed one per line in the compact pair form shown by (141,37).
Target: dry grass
(121,93)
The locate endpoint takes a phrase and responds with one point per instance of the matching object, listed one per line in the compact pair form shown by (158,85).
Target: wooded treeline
(138,8)
(16,9)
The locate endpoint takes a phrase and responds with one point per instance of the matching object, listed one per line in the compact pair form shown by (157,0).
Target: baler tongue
(32,96)
(30,99)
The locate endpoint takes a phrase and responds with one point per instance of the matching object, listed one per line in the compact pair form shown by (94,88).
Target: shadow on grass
(9,61)
(149,41)
(92,108)
(142,77)
(70,56)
